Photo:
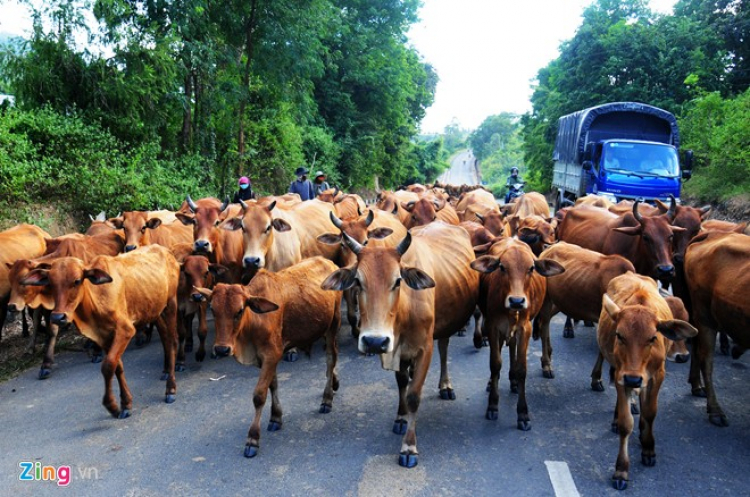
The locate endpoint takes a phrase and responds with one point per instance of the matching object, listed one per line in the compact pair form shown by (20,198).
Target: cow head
(357,229)
(258,226)
(136,225)
(493,220)
(378,275)
(199,273)
(517,265)
(422,211)
(65,280)
(638,336)
(537,232)
(205,215)
(22,295)
(686,217)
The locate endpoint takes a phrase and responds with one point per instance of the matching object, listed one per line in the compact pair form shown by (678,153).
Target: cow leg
(512,348)
(189,332)
(31,344)
(49,349)
(522,347)
(25,328)
(182,323)
(3,313)
(649,398)
(266,380)
(200,354)
(541,327)
(408,454)
(496,364)
(332,353)
(111,365)
(167,326)
(352,308)
(402,380)
(707,338)
(480,340)
(723,343)
(596,374)
(569,329)
(445,387)
(694,377)
(624,427)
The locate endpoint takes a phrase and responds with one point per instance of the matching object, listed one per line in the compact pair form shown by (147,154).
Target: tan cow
(530,204)
(428,208)
(141,230)
(726,226)
(511,294)
(420,291)
(256,323)
(632,326)
(391,202)
(107,298)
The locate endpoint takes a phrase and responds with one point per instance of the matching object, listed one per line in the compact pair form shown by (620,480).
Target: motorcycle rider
(513,179)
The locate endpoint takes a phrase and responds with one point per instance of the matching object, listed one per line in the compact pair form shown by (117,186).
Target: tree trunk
(249,31)
(187,137)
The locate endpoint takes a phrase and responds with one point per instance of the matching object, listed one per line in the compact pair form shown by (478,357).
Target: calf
(428,208)
(143,229)
(632,326)
(107,298)
(511,294)
(256,323)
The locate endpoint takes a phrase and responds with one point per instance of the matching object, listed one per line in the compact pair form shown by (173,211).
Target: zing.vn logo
(36,472)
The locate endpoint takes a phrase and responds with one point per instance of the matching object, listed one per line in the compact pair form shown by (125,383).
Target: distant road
(462,171)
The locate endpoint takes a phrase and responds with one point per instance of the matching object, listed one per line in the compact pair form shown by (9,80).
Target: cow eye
(652,339)
(397,283)
(77,282)
(365,242)
(647,239)
(238,316)
(218,222)
(268,228)
(619,337)
(531,269)
(414,218)
(671,237)
(143,230)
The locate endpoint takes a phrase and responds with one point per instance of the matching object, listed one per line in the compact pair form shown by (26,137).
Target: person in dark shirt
(302,186)
(245,192)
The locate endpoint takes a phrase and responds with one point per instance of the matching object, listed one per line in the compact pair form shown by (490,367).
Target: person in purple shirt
(302,186)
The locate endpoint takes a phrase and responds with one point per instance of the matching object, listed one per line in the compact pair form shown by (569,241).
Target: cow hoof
(548,373)
(324,409)
(724,349)
(140,341)
(274,426)
(291,356)
(588,324)
(699,392)
(407,460)
(597,386)
(569,333)
(200,355)
(97,358)
(648,460)
(489,385)
(614,428)
(524,425)
(179,367)
(251,451)
(681,358)
(718,420)
(170,398)
(188,347)
(634,409)
(399,427)
(619,483)
(44,373)
(125,413)
(514,388)
(447,394)
(164,376)
(491,414)
(461,333)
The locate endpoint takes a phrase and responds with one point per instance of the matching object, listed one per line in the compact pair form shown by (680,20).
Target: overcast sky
(486,52)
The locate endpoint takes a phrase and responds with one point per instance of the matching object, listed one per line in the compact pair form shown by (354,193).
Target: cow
(40,300)
(220,245)
(141,229)
(409,295)
(512,288)
(20,242)
(428,208)
(349,205)
(646,241)
(481,238)
(530,204)
(726,226)
(536,231)
(594,201)
(256,323)
(107,298)
(481,206)
(632,326)
(391,202)
(717,271)
(577,293)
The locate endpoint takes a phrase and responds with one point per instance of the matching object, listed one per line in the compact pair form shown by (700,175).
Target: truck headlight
(609,196)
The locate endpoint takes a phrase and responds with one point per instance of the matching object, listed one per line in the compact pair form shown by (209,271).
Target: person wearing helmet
(513,179)
(245,192)
(320,184)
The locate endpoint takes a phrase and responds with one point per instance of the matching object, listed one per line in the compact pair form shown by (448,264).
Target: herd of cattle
(413,268)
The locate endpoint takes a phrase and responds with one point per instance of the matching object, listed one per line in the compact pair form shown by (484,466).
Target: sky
(488,52)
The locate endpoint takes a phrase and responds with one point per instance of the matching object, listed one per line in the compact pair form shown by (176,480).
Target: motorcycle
(514,191)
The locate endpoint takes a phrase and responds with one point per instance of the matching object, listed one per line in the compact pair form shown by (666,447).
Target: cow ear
(217,269)
(676,329)
(663,208)
(548,267)
(37,277)
(116,222)
(186,219)
(233,224)
(379,233)
(9,265)
(677,229)
(395,210)
(153,223)
(609,306)
(204,291)
(342,279)
(259,305)
(329,239)
(704,211)
(486,264)
(740,228)
(408,206)
(416,279)
(630,230)
(281,225)
(97,276)
(481,249)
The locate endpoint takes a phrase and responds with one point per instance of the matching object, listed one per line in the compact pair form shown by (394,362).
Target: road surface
(462,171)
(195,446)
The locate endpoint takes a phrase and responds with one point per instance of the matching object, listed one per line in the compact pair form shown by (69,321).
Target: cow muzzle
(197,297)
(222,350)
(516,303)
(59,318)
(12,307)
(629,381)
(202,246)
(130,248)
(374,344)
(665,271)
(252,262)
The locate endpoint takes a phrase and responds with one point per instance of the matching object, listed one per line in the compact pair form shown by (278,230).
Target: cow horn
(404,245)
(370,218)
(672,212)
(636,214)
(243,204)
(191,204)
(224,205)
(353,244)
(335,220)
(335,192)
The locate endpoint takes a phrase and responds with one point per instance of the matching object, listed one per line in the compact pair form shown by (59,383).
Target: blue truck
(619,150)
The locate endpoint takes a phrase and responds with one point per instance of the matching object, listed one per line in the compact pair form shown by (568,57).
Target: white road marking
(562,480)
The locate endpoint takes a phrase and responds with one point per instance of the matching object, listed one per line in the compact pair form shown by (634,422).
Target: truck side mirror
(587,165)
(687,174)
(688,163)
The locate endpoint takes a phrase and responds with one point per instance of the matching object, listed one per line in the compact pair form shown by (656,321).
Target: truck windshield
(640,159)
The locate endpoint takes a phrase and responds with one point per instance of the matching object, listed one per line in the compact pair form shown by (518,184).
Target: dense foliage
(497,145)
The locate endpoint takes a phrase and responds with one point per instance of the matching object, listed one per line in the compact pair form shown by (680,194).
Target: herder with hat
(302,186)
(320,184)
(245,192)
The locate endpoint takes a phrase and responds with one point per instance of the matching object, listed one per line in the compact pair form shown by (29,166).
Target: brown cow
(20,242)
(258,322)
(717,270)
(481,206)
(429,208)
(577,292)
(530,204)
(726,226)
(512,289)
(632,326)
(391,202)
(107,298)
(141,230)
(594,201)
(535,231)
(400,321)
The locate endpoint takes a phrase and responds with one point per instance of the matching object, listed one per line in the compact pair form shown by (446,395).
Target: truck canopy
(617,120)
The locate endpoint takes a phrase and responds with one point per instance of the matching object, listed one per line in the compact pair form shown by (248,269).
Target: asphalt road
(195,446)
(462,170)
